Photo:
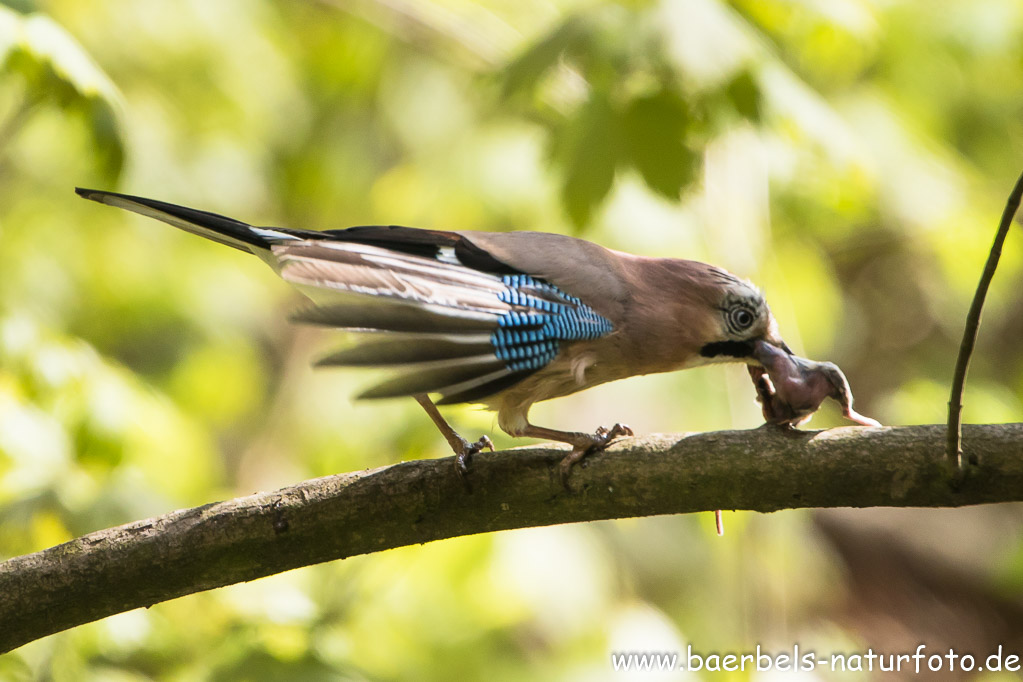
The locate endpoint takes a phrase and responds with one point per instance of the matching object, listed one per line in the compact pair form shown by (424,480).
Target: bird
(502,319)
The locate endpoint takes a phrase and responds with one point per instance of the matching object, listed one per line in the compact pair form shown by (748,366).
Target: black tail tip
(88,193)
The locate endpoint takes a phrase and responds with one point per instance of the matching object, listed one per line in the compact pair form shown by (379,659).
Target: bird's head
(741,318)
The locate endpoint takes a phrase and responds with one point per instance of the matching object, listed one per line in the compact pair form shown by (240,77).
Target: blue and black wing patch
(542,318)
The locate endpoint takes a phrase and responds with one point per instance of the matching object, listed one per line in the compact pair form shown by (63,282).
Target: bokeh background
(849,156)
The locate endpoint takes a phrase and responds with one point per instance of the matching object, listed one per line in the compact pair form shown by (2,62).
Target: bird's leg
(463,449)
(582,443)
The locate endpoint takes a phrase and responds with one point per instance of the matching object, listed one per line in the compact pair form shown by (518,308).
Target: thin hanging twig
(954,446)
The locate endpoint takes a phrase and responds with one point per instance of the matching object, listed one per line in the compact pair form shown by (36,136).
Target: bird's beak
(772,337)
(768,353)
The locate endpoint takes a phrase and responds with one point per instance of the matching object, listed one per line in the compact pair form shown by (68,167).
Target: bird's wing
(461,322)
(598,276)
(466,316)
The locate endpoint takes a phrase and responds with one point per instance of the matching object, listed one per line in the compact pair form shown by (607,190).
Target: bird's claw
(464,457)
(600,439)
(608,435)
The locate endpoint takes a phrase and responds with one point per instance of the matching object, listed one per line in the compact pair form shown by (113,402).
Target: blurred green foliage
(850,157)
(43,64)
(635,110)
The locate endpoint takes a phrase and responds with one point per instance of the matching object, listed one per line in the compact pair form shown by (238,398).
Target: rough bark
(766,469)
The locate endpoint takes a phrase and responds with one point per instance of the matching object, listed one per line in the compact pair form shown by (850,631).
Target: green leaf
(25,6)
(528,69)
(654,126)
(56,69)
(107,130)
(590,150)
(744,94)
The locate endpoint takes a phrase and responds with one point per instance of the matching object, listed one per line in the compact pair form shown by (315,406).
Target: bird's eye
(740,319)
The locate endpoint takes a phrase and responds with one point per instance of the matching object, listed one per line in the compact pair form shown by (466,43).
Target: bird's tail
(215,227)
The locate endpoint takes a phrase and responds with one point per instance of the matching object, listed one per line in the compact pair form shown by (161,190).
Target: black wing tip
(479,394)
(101,195)
(94,194)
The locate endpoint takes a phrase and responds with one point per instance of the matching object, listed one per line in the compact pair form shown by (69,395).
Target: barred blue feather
(531,339)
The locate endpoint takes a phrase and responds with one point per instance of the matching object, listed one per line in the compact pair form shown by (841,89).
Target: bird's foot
(591,443)
(463,457)
(608,435)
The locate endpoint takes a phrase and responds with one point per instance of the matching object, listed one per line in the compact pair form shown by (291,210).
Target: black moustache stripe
(733,349)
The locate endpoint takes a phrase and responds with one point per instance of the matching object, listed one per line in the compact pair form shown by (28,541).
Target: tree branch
(765,469)
(954,434)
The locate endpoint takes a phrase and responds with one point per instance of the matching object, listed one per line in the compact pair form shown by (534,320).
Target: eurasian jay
(506,319)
